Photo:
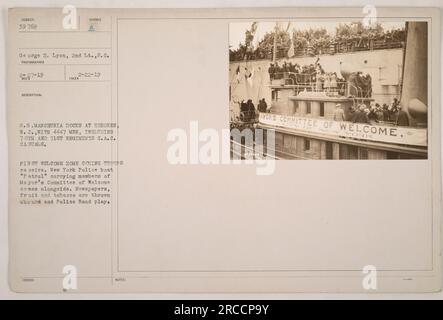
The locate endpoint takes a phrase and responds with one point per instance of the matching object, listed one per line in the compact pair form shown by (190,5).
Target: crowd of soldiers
(308,75)
(360,113)
(342,43)
(312,43)
(248,112)
(375,113)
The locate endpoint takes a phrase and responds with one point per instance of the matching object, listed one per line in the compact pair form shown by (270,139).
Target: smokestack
(414,93)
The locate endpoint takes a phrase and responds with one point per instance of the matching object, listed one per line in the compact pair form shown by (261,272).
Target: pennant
(287,28)
(237,74)
(250,77)
(253,28)
(291,51)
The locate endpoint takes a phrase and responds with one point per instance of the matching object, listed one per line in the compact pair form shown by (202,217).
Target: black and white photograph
(331,89)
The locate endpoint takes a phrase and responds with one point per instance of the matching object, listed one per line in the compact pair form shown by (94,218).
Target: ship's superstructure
(334,115)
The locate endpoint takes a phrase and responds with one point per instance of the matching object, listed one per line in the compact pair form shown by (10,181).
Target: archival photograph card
(154,150)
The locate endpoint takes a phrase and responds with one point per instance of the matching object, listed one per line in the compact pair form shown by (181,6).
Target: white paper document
(156,150)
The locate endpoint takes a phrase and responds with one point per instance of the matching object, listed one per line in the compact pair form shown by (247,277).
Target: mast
(274,51)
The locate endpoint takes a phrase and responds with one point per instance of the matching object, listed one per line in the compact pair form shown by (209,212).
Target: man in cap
(339,114)
(361,115)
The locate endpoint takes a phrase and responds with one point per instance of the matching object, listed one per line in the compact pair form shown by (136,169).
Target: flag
(249,38)
(291,52)
(253,28)
(249,77)
(237,74)
(287,28)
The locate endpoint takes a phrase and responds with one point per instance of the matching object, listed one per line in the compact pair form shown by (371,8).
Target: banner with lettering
(379,133)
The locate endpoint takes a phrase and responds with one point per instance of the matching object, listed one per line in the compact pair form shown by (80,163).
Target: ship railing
(361,92)
(348,46)
(293,78)
(287,77)
(305,79)
(332,88)
(248,152)
(339,88)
